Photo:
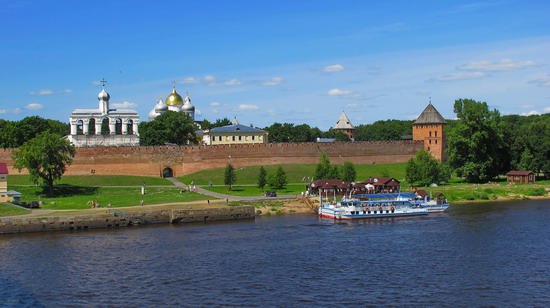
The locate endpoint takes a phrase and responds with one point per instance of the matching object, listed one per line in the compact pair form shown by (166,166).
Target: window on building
(436,133)
(233,137)
(130,127)
(253,137)
(430,133)
(436,141)
(240,138)
(220,138)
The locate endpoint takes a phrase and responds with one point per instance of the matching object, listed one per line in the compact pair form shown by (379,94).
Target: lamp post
(93,177)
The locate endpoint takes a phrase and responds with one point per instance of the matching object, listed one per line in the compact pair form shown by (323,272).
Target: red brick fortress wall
(150,161)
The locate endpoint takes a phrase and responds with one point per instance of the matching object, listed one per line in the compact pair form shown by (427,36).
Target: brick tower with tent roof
(430,128)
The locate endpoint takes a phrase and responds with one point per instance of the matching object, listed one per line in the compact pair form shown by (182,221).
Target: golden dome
(174,99)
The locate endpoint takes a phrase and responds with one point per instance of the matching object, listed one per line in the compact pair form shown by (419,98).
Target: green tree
(229,176)
(383,130)
(14,133)
(221,122)
(476,146)
(322,169)
(287,132)
(46,157)
(423,169)
(341,136)
(278,179)
(334,172)
(262,178)
(348,172)
(170,127)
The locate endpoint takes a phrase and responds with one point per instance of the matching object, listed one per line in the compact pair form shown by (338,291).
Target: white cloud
(210,80)
(5,111)
(541,82)
(547,109)
(532,112)
(42,92)
(335,91)
(34,106)
(232,83)
(333,68)
(50,92)
(215,104)
(273,81)
(189,80)
(124,104)
(247,107)
(459,76)
(198,111)
(502,65)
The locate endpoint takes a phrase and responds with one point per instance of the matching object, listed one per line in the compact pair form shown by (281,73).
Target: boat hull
(348,216)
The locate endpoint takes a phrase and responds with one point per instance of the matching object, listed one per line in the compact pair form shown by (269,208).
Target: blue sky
(275,61)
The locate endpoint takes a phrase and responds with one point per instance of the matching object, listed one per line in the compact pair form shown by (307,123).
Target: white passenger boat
(358,209)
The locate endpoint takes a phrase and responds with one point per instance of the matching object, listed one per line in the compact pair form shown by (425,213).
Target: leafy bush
(536,191)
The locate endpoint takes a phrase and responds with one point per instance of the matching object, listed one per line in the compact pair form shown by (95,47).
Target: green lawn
(492,191)
(296,173)
(95,180)
(255,191)
(8,210)
(78,197)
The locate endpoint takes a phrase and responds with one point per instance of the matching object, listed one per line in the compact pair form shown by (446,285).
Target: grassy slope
(78,197)
(455,191)
(7,210)
(295,173)
(97,180)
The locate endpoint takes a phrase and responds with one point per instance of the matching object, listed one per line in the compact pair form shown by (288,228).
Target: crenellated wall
(150,161)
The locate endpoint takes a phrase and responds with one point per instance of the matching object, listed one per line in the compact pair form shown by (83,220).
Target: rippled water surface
(474,255)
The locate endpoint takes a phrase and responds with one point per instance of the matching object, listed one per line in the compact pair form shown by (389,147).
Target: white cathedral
(174,102)
(104,126)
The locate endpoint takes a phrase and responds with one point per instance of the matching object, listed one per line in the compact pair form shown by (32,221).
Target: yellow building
(5,195)
(234,134)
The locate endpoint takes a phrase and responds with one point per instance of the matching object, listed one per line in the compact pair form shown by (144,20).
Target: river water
(474,255)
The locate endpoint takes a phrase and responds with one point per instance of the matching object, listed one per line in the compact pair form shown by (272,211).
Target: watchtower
(430,128)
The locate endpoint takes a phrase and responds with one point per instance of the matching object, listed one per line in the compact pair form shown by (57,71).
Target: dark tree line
(168,128)
(384,130)
(528,142)
(482,144)
(379,130)
(13,134)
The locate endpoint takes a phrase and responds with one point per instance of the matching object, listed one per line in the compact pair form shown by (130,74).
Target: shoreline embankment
(117,218)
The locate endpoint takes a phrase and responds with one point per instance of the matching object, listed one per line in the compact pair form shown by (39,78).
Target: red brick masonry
(150,161)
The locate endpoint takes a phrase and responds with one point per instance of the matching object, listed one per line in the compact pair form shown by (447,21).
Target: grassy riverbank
(96,180)
(68,197)
(78,192)
(455,191)
(9,210)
